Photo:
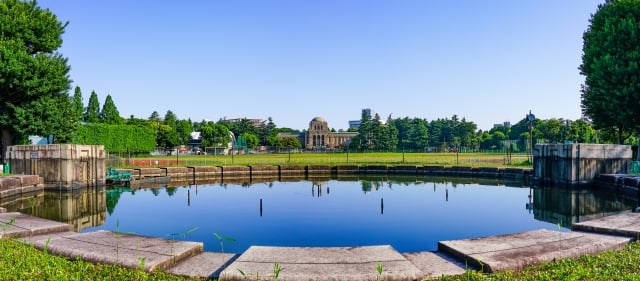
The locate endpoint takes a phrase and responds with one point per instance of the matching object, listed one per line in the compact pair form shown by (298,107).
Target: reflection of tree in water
(171,190)
(155,191)
(366,186)
(113,195)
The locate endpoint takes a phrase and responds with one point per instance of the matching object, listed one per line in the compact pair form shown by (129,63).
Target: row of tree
(34,98)
(454,133)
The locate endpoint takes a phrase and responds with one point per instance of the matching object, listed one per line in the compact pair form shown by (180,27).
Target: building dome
(319,119)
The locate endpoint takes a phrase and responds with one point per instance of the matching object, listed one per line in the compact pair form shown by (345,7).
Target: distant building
(319,136)
(255,122)
(355,124)
(505,124)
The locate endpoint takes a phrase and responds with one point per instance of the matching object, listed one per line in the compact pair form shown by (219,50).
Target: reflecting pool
(409,213)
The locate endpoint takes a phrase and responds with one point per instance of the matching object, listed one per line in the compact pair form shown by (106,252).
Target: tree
(78,105)
(109,113)
(610,64)
(214,135)
(55,117)
(170,119)
(290,142)
(154,117)
(31,70)
(184,129)
(92,114)
(252,140)
(267,130)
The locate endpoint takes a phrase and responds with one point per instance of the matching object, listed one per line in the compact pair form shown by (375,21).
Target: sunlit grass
(341,158)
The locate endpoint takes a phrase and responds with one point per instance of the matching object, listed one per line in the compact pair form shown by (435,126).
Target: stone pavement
(512,251)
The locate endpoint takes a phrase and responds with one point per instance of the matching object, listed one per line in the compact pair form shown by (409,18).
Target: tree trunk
(5,142)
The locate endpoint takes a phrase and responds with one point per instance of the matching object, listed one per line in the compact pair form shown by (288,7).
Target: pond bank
(493,253)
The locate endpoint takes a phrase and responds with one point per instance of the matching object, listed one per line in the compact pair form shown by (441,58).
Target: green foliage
(92,114)
(610,64)
(184,129)
(267,131)
(53,115)
(214,135)
(78,105)
(117,138)
(24,262)
(167,137)
(31,71)
(290,142)
(110,113)
(251,139)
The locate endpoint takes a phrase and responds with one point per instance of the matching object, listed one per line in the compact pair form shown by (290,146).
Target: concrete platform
(204,265)
(20,225)
(126,250)
(516,251)
(322,263)
(625,224)
(436,264)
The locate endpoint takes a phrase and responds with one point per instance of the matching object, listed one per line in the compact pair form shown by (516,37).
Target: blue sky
(488,61)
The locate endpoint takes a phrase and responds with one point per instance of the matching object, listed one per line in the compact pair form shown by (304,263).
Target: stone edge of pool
(492,253)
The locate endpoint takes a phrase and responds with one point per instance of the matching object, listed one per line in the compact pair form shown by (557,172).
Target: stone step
(518,250)
(436,264)
(127,250)
(625,224)
(203,265)
(322,263)
(15,224)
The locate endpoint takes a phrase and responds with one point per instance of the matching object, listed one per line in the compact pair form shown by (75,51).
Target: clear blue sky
(489,61)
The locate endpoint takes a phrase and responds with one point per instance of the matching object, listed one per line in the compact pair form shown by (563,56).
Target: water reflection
(81,208)
(566,207)
(387,208)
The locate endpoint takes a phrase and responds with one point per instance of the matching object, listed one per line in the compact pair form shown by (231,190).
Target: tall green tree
(78,104)
(31,69)
(92,114)
(184,129)
(110,113)
(214,135)
(611,66)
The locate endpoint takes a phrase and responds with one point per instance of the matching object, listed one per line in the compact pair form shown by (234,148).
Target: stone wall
(578,164)
(65,166)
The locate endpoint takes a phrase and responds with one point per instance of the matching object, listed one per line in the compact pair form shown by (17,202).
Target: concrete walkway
(512,251)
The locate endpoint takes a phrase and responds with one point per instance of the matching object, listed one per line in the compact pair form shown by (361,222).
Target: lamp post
(530,117)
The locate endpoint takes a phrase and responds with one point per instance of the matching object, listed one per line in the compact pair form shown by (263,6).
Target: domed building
(319,136)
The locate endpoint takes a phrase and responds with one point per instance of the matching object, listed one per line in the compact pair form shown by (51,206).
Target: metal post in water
(261,207)
(382,206)
(188,197)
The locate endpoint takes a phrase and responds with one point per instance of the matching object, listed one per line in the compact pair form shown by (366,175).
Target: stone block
(318,169)
(347,169)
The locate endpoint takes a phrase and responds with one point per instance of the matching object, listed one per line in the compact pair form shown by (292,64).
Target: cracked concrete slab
(322,263)
(204,265)
(128,250)
(515,251)
(625,224)
(15,224)
(436,264)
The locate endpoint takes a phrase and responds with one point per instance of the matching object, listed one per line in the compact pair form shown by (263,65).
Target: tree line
(35,99)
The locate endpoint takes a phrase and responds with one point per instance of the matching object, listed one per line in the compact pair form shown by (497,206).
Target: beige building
(319,136)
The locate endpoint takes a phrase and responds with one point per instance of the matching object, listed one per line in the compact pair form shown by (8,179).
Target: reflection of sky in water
(416,215)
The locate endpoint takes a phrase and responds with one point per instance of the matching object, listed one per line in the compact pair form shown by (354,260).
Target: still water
(410,214)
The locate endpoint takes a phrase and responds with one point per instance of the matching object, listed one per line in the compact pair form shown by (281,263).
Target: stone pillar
(62,166)
(571,165)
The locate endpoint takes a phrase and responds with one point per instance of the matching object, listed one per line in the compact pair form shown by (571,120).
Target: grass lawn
(389,158)
(23,262)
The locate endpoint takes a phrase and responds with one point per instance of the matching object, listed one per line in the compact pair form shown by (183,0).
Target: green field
(389,158)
